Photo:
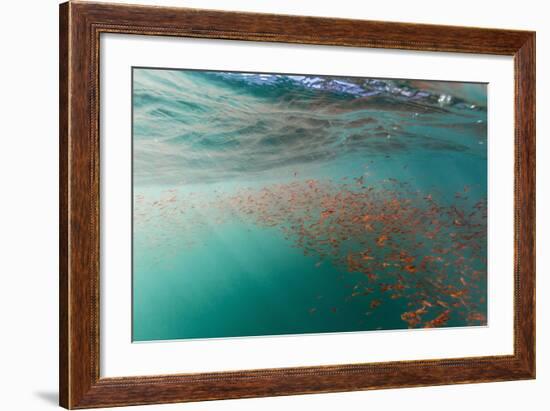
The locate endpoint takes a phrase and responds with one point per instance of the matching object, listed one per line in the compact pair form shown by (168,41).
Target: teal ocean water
(271,204)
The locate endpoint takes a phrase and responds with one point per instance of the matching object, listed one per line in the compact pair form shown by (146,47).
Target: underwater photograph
(279,204)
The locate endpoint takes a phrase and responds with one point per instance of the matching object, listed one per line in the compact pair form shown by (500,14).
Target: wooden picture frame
(80,27)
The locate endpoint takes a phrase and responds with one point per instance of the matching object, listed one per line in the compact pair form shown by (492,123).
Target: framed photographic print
(257,205)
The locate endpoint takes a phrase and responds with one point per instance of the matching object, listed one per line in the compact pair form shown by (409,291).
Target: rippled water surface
(271,204)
